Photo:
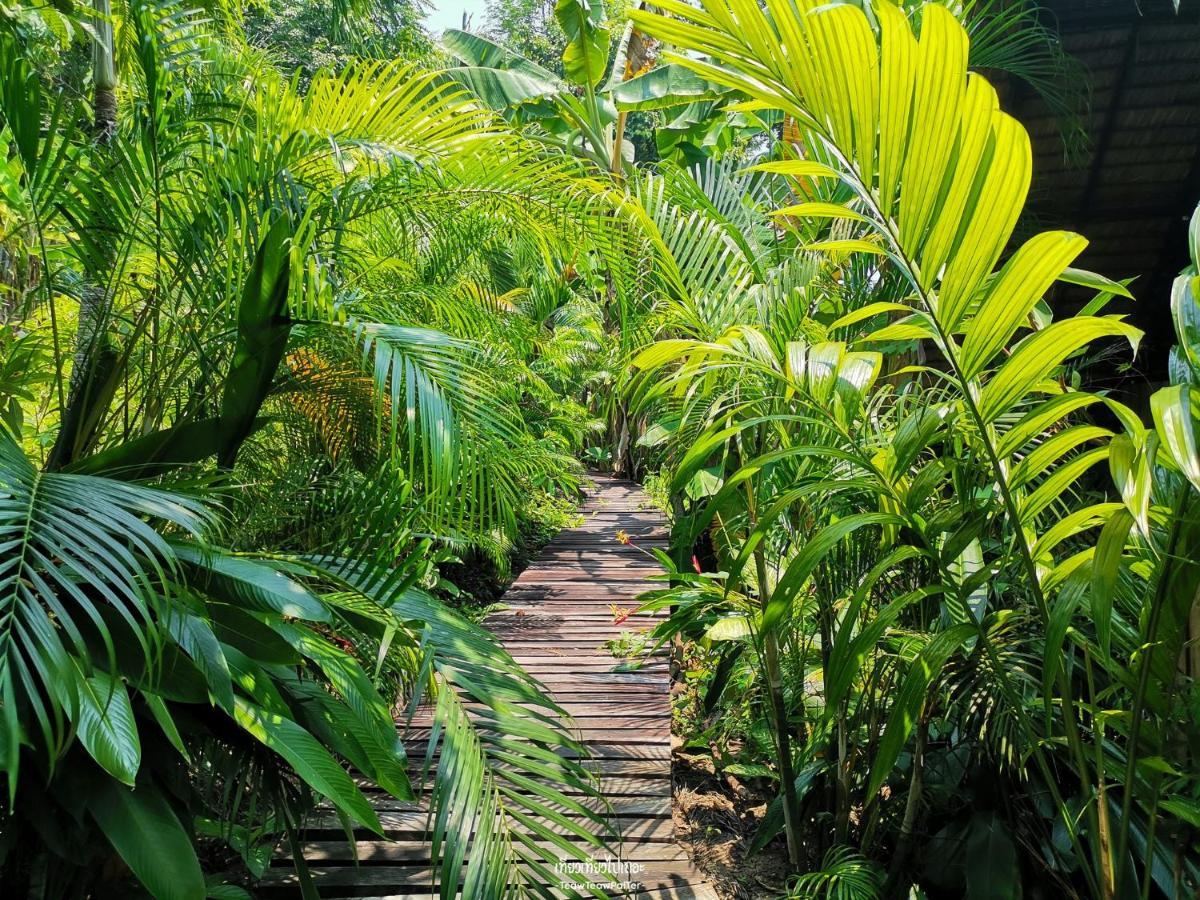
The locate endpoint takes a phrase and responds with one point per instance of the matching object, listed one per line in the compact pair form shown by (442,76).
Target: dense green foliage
(304,316)
(953,586)
(274,351)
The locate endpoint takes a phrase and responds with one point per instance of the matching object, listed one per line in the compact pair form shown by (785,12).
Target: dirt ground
(715,821)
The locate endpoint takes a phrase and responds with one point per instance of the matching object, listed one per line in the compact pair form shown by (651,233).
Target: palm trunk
(623,445)
(94,375)
(618,157)
(841,828)
(783,741)
(104,74)
(774,671)
(912,808)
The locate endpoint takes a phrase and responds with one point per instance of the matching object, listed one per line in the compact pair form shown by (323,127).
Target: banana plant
(582,112)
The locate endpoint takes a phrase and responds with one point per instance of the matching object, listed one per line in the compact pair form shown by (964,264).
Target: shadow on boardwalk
(559,614)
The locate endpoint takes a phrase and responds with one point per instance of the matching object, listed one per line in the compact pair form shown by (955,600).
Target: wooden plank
(656,784)
(648,807)
(406,852)
(681,890)
(410,825)
(637,733)
(357,881)
(607,750)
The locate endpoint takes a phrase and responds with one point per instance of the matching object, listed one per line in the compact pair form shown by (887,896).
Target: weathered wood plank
(359,881)
(410,825)
(405,852)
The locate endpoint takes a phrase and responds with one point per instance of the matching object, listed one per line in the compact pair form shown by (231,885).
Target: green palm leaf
(76,549)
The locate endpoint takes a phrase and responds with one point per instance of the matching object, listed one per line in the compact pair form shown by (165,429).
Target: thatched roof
(1133,188)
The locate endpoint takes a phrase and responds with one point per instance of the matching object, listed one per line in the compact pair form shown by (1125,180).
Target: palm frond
(80,554)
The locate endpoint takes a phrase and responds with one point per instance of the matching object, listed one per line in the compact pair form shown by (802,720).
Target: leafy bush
(946,607)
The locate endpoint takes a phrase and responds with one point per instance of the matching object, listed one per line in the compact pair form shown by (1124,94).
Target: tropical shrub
(951,612)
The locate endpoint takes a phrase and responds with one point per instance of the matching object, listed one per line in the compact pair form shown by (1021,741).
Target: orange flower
(623,537)
(620,615)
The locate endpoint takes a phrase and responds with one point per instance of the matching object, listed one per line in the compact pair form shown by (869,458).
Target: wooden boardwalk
(559,614)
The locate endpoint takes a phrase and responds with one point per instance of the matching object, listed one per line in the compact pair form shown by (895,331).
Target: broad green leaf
(664,87)
(1062,612)
(251,583)
(162,715)
(839,249)
(817,210)
(263,328)
(586,55)
(797,168)
(144,830)
(1064,478)
(1052,450)
(1106,567)
(106,726)
(1185,809)
(729,628)
(21,107)
(478,51)
(370,715)
(911,329)
(500,89)
(993,871)
(868,312)
(310,761)
(1175,420)
(197,639)
(1044,415)
(1185,310)
(250,633)
(1129,464)
(963,569)
(1194,230)
(1096,282)
(1073,523)
(1040,354)
(730,654)
(1012,294)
